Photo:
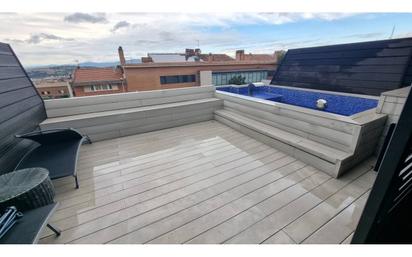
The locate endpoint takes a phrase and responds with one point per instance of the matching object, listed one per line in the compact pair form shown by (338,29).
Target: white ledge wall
(330,142)
(110,116)
(391,103)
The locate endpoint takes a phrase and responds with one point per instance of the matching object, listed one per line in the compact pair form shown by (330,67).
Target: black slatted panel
(404,178)
(408,75)
(386,217)
(21,109)
(364,68)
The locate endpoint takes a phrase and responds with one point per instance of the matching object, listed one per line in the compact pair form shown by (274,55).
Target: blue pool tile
(339,104)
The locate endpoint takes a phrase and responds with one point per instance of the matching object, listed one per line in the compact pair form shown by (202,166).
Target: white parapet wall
(330,142)
(110,116)
(391,103)
(206,78)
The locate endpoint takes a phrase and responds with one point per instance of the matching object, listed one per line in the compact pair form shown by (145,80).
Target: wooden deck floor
(204,183)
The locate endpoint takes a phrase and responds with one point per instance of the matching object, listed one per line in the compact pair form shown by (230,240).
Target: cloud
(37,38)
(365,35)
(95,37)
(401,35)
(85,18)
(229,19)
(119,25)
(40,37)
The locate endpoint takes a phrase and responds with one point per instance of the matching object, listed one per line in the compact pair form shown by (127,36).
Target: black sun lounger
(27,229)
(57,151)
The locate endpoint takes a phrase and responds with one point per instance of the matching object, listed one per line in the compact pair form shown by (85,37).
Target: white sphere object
(321,104)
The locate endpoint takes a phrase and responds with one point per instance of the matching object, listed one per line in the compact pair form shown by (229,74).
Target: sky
(65,38)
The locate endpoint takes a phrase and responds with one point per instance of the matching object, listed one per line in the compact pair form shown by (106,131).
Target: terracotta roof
(217,57)
(259,57)
(83,75)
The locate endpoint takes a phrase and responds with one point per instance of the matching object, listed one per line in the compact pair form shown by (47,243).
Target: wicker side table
(26,189)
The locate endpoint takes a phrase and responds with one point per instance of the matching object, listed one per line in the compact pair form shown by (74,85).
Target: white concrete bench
(111,116)
(329,142)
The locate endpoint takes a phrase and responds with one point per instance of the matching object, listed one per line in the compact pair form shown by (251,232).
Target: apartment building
(192,68)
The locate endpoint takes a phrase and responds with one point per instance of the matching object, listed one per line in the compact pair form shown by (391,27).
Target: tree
(237,80)
(279,55)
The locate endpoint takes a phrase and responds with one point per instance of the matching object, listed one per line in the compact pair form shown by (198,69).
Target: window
(254,76)
(177,79)
(214,80)
(222,78)
(107,87)
(61,91)
(45,92)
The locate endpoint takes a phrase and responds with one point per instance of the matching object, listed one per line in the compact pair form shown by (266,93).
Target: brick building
(97,81)
(175,70)
(172,70)
(241,56)
(51,88)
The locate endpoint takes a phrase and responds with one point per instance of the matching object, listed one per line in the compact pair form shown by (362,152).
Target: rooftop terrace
(196,165)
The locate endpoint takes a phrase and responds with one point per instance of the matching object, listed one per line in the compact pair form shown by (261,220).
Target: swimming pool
(336,103)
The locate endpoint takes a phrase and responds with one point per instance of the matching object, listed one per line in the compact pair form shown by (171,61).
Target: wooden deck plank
(176,170)
(161,196)
(138,172)
(95,211)
(280,238)
(236,225)
(278,220)
(199,183)
(341,226)
(243,204)
(240,222)
(348,239)
(160,158)
(303,227)
(209,200)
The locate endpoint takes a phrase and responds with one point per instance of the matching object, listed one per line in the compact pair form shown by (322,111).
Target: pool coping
(261,84)
(353,119)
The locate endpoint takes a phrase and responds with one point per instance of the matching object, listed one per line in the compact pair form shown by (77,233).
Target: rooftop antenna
(393,31)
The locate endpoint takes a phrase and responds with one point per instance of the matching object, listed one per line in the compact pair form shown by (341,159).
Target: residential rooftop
(195,55)
(82,75)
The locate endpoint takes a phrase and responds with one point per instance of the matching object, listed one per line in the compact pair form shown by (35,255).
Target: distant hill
(50,71)
(66,70)
(99,64)
(106,64)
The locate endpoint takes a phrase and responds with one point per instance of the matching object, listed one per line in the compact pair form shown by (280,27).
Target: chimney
(189,53)
(147,59)
(121,56)
(240,55)
(210,59)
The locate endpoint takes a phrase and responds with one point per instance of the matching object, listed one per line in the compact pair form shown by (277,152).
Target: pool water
(338,104)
